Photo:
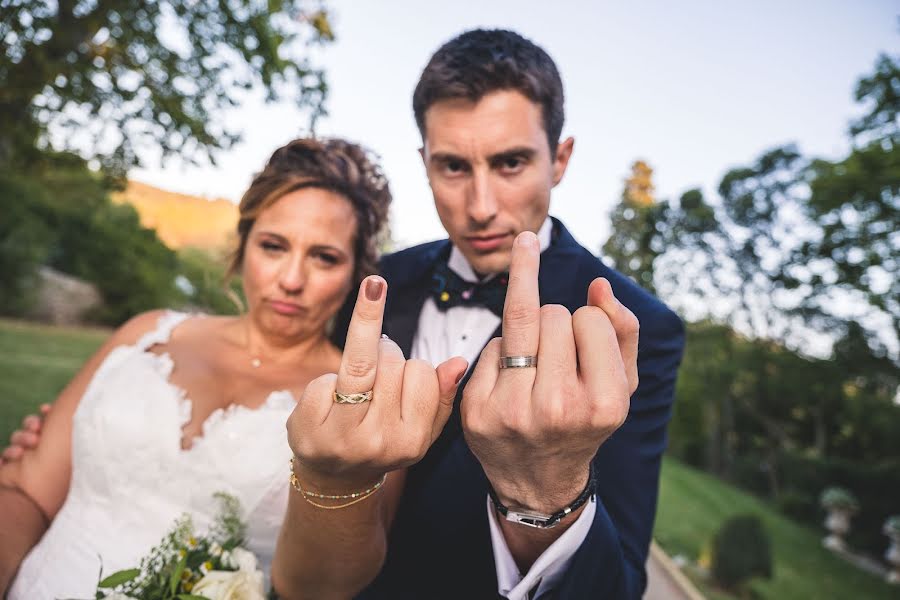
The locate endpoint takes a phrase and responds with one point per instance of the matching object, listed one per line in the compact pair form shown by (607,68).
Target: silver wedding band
(517,362)
(356,398)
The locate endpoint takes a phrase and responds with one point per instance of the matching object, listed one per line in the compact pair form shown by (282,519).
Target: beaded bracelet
(353,497)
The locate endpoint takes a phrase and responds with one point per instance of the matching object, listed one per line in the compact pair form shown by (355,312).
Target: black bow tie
(449,289)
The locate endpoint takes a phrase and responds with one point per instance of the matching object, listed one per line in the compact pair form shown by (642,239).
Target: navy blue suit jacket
(440,544)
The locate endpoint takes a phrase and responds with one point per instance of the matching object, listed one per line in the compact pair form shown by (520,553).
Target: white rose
(231,585)
(242,560)
(117,596)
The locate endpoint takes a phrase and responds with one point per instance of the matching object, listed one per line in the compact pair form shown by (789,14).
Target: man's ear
(561,158)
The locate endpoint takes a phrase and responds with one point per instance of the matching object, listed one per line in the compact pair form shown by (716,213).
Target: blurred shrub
(206,290)
(741,550)
(875,485)
(61,216)
(24,243)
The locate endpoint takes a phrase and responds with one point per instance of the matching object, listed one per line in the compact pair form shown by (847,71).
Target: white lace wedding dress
(131,479)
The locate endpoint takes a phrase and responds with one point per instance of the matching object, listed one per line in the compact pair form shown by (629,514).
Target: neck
(277,349)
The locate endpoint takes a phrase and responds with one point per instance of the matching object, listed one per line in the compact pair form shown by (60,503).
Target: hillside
(181,220)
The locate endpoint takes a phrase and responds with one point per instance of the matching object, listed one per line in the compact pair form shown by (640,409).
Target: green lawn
(36,361)
(692,506)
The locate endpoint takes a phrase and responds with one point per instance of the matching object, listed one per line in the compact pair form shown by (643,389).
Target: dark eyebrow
(445,157)
(277,236)
(523,152)
(317,248)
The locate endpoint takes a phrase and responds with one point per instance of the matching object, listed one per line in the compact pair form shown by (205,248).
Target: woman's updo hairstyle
(335,165)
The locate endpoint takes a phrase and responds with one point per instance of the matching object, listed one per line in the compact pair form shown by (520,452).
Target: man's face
(491,172)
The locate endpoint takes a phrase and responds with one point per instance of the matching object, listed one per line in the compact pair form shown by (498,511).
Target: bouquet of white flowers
(185,566)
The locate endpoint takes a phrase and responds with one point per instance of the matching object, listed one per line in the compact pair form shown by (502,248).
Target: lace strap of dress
(164,326)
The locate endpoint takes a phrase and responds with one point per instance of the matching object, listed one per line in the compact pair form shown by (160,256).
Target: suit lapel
(402,316)
(558,271)
(408,287)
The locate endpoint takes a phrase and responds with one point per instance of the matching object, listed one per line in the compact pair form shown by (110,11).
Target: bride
(175,407)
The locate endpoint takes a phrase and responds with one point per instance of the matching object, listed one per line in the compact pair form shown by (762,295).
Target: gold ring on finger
(355,398)
(518,362)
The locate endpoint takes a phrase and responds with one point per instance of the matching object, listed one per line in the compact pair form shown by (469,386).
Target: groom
(511,500)
(489,106)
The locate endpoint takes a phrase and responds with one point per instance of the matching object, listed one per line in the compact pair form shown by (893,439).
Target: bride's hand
(343,446)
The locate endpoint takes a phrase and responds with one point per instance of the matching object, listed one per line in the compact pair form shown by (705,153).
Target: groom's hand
(536,430)
(26,437)
(345,446)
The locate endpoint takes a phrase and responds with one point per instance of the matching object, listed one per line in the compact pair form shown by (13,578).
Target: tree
(856,204)
(131,73)
(635,240)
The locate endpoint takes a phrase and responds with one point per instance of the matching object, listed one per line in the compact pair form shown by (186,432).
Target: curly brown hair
(332,164)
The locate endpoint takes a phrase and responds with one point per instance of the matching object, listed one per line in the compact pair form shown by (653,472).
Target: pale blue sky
(694,88)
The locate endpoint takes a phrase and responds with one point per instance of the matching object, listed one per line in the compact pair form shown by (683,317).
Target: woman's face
(298,262)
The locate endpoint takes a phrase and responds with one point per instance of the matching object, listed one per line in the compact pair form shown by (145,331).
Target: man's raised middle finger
(521,312)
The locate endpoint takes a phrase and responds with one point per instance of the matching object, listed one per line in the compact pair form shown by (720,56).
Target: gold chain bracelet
(354,497)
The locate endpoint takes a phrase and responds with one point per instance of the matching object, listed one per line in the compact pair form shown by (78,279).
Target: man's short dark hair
(481,61)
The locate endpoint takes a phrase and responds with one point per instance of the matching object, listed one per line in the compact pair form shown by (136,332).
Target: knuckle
(358,366)
(302,446)
(514,423)
(588,314)
(321,386)
(624,414)
(368,312)
(521,313)
(390,352)
(554,418)
(416,446)
(555,312)
(632,324)
(372,446)
(419,367)
(424,445)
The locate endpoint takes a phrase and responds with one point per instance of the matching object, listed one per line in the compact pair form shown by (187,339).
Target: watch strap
(541,520)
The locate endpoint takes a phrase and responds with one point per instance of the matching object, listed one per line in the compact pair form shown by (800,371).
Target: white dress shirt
(464,331)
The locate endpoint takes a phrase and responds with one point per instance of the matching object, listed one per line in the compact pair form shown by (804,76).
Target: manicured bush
(741,550)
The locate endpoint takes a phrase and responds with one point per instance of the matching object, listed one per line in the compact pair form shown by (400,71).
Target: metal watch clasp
(531,519)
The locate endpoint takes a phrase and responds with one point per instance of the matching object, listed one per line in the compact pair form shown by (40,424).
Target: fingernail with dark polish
(373,288)
(459,378)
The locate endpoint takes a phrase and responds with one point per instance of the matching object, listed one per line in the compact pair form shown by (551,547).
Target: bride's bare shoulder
(137,326)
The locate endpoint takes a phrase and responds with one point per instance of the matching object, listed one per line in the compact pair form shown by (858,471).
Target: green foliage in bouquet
(175,566)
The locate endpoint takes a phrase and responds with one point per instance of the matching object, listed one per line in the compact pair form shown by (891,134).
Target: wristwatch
(542,520)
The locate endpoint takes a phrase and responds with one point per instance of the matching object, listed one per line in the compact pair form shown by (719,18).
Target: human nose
(292,276)
(482,205)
